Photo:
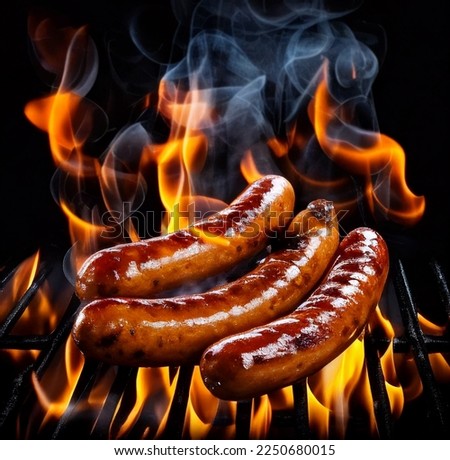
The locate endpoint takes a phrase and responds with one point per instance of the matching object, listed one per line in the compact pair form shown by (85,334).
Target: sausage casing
(275,355)
(142,269)
(175,331)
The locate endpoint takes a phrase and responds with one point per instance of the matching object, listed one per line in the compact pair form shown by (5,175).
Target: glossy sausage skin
(141,269)
(275,355)
(175,331)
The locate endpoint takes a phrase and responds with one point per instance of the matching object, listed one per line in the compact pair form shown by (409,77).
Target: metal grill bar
(50,344)
(301,416)
(177,412)
(58,337)
(442,284)
(105,418)
(82,390)
(415,337)
(378,387)
(16,397)
(243,418)
(29,342)
(431,343)
(121,396)
(25,300)
(9,267)
(126,402)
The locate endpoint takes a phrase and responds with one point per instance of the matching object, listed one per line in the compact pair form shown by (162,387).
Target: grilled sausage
(272,356)
(142,269)
(174,331)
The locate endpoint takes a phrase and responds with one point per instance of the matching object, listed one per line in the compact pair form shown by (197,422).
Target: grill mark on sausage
(268,357)
(174,331)
(145,268)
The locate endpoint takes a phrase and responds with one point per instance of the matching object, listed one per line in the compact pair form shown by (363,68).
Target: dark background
(411,98)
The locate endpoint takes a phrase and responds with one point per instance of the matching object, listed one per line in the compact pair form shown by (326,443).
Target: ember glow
(231,116)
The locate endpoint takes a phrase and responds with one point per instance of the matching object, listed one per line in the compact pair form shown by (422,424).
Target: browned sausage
(272,356)
(141,269)
(174,331)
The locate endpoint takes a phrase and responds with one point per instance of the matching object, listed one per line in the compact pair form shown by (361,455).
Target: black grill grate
(426,417)
(417,343)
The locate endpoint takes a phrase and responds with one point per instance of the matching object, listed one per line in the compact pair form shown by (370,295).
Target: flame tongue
(225,105)
(214,104)
(377,158)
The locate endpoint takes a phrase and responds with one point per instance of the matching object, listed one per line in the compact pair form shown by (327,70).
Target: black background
(411,98)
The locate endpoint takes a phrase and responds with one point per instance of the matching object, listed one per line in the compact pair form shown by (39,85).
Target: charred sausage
(142,269)
(175,331)
(272,356)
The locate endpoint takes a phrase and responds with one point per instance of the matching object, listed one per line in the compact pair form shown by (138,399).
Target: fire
(153,389)
(331,390)
(202,408)
(184,154)
(402,380)
(56,114)
(393,386)
(67,117)
(143,384)
(377,158)
(114,183)
(341,387)
(11,294)
(20,283)
(319,415)
(440,364)
(428,327)
(54,397)
(387,360)
(261,418)
(40,316)
(248,167)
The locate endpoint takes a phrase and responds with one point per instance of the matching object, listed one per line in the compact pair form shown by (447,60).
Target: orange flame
(11,294)
(387,360)
(19,284)
(67,118)
(393,387)
(377,158)
(248,167)
(150,384)
(184,154)
(335,385)
(70,119)
(428,327)
(440,364)
(54,394)
(202,408)
(261,418)
(41,315)
(55,115)
(319,415)
(66,115)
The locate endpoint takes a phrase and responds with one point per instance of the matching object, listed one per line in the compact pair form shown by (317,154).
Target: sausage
(175,331)
(209,247)
(295,346)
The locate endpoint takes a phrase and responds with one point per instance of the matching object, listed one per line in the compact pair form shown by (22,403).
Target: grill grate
(416,340)
(433,403)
